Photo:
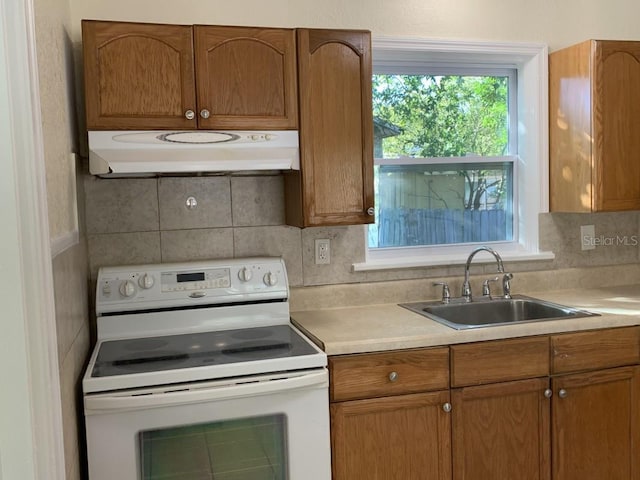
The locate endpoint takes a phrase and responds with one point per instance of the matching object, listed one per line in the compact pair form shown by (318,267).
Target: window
(460,151)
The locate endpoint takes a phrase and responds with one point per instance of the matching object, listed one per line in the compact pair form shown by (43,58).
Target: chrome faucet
(466,286)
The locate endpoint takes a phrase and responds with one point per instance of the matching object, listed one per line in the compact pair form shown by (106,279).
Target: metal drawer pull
(446,407)
(548,393)
(393,376)
(562,393)
(190,114)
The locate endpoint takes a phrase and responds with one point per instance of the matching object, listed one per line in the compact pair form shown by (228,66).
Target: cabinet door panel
(138,75)
(402,437)
(336,126)
(617,121)
(246,77)
(595,427)
(501,431)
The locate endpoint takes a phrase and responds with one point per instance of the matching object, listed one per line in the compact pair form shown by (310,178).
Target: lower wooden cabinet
(403,437)
(595,425)
(578,419)
(501,431)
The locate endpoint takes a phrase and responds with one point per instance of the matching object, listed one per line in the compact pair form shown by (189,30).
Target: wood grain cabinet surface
(335,183)
(157,76)
(138,76)
(594,117)
(526,417)
(400,427)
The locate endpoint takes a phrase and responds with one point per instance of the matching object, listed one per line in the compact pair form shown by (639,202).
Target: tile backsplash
(147,220)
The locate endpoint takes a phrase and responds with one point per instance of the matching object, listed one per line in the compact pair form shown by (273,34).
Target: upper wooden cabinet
(335,182)
(594,117)
(246,77)
(138,76)
(148,76)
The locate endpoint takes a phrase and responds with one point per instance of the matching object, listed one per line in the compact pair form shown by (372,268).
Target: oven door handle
(113,402)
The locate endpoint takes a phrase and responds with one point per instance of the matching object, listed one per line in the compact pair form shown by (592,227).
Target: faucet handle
(446,294)
(506,285)
(486,289)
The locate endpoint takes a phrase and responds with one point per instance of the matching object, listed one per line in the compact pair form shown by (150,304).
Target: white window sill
(452,259)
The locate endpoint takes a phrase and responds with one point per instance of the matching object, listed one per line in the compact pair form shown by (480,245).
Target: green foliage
(448,116)
(443,116)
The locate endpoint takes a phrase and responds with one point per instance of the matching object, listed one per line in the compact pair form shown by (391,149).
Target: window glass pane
(431,116)
(241,449)
(433,200)
(444,203)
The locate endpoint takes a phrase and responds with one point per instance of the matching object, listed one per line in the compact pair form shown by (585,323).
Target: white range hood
(131,153)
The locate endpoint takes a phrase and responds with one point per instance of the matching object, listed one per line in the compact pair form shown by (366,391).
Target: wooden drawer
(499,361)
(371,375)
(595,349)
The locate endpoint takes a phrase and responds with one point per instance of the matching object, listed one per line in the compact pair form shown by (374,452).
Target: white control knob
(254,137)
(146,281)
(270,279)
(127,288)
(245,274)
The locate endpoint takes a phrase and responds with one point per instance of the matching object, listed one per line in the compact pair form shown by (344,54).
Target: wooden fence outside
(400,227)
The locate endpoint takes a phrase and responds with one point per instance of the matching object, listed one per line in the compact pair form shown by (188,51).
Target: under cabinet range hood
(138,153)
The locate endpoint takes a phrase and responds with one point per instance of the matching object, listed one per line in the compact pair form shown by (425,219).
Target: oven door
(263,427)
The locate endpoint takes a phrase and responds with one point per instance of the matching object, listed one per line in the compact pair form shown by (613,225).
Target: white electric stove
(198,373)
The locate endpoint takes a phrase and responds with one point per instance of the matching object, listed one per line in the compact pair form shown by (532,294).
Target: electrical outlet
(323,251)
(587,237)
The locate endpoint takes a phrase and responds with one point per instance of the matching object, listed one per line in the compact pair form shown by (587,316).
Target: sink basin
(485,313)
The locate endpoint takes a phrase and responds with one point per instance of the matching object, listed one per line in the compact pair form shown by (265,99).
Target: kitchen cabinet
(501,430)
(152,76)
(335,183)
(551,407)
(594,116)
(595,415)
(500,411)
(381,428)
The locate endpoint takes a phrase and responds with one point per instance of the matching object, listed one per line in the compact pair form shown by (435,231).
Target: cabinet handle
(190,114)
(204,113)
(562,393)
(371,211)
(446,407)
(393,376)
(548,393)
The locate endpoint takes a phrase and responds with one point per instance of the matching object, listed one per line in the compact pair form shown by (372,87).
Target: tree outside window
(445,176)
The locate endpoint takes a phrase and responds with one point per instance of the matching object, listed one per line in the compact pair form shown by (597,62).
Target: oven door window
(239,449)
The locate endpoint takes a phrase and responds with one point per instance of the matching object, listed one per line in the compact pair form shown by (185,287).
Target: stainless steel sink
(494,312)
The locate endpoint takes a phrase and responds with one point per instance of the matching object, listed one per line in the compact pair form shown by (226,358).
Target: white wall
(557,23)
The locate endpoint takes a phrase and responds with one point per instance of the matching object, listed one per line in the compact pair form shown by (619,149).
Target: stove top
(142,355)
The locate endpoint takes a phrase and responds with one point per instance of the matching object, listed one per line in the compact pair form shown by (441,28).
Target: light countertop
(387,326)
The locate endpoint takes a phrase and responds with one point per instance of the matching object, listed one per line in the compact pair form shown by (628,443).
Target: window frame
(531,172)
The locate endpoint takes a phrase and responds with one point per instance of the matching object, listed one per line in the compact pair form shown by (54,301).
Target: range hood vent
(135,153)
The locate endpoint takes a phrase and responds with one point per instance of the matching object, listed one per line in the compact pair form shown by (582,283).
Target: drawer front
(573,352)
(499,361)
(383,374)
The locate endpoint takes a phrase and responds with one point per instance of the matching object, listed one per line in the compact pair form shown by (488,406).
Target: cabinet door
(400,437)
(595,425)
(138,76)
(336,129)
(501,431)
(246,77)
(616,116)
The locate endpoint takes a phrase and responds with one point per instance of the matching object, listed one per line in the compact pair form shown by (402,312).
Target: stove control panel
(141,287)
